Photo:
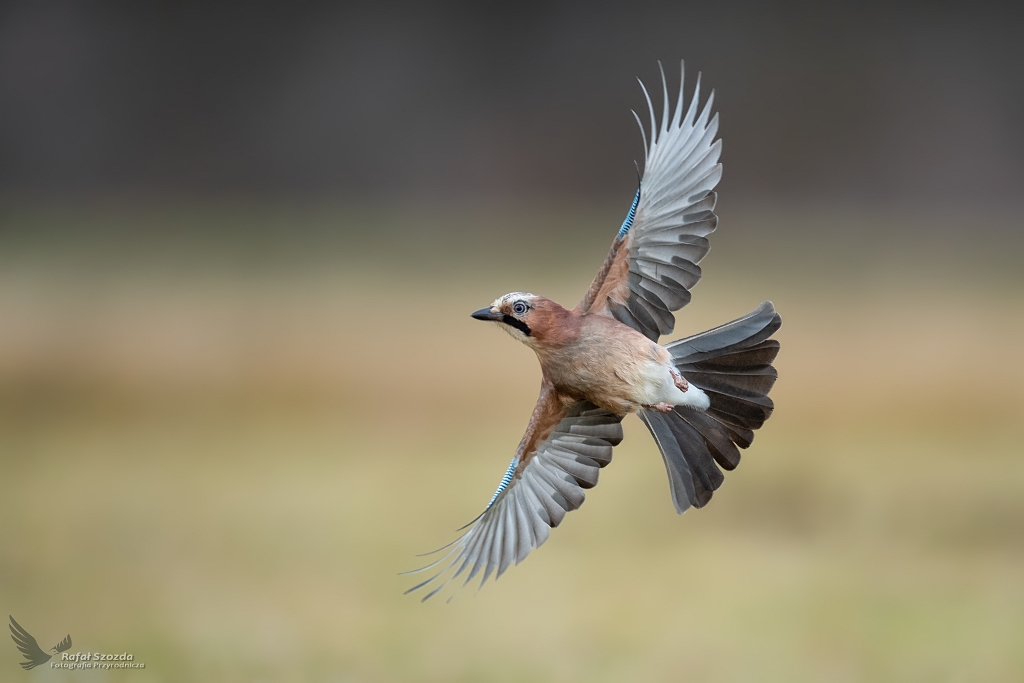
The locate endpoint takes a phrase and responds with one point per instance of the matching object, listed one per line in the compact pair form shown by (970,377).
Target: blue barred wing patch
(628,223)
(504,482)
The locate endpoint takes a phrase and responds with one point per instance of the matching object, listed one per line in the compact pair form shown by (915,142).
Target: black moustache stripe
(518,324)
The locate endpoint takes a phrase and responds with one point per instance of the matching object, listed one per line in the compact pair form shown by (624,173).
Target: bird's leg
(661,407)
(680,381)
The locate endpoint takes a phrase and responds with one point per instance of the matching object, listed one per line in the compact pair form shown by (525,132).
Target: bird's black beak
(487,314)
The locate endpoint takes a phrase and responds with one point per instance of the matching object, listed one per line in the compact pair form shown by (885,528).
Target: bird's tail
(732,364)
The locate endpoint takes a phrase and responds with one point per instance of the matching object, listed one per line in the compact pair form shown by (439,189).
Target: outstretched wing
(653,261)
(27,645)
(564,447)
(63,645)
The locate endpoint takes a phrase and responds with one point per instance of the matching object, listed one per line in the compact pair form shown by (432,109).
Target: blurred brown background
(239,387)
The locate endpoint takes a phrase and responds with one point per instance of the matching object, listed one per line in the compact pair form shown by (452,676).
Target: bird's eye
(519,308)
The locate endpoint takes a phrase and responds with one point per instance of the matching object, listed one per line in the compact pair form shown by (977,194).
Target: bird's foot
(661,407)
(680,381)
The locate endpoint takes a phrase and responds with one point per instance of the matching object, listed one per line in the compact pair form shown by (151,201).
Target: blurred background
(240,388)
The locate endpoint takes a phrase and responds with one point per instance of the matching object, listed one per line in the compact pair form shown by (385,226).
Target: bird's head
(529,318)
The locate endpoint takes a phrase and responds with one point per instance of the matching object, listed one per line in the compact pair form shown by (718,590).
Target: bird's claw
(680,381)
(661,407)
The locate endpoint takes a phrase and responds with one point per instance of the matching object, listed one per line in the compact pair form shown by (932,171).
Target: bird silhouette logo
(28,646)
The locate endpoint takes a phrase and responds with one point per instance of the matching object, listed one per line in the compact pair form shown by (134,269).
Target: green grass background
(225,429)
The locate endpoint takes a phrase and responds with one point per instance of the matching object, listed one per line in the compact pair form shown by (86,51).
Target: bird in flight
(28,646)
(701,397)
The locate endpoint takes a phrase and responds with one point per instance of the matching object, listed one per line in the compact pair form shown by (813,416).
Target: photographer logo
(34,655)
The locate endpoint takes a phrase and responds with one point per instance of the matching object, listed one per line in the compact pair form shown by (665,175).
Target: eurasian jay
(701,397)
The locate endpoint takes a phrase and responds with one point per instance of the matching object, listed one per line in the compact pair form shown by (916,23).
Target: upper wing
(27,645)
(559,456)
(653,261)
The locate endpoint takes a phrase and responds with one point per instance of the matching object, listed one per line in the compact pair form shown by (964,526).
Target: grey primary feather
(533,500)
(732,364)
(28,646)
(675,212)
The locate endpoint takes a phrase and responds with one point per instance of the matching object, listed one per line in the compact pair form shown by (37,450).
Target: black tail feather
(732,364)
